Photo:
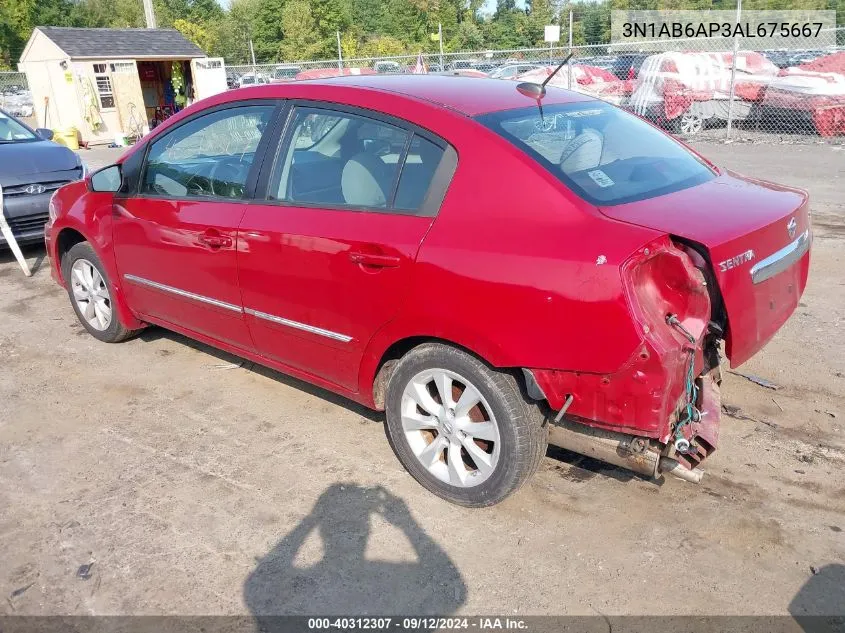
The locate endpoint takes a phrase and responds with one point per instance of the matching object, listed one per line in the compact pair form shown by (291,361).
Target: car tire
(90,292)
(459,456)
(689,124)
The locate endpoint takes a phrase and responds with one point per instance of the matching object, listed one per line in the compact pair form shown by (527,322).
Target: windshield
(604,154)
(12,131)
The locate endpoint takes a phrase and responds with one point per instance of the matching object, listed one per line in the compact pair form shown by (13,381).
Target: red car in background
(492,270)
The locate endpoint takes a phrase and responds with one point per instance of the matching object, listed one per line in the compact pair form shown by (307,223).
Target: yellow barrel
(69,137)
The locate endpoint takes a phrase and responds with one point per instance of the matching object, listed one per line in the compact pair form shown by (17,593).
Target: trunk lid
(758,236)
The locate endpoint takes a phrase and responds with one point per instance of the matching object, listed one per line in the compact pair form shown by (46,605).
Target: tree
(540,13)
(594,25)
(108,13)
(300,39)
(199,34)
(468,37)
(234,30)
(330,17)
(383,46)
(266,31)
(368,17)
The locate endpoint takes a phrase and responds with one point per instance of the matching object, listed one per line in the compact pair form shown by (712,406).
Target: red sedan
(494,271)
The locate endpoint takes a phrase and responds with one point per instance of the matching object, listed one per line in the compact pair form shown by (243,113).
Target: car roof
(468,95)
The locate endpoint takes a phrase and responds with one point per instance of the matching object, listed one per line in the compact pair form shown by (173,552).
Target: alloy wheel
(450,428)
(691,123)
(91,294)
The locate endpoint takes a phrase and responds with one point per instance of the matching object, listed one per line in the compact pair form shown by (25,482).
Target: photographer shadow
(819,606)
(343,582)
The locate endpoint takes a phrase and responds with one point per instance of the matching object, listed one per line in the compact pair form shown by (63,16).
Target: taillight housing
(661,280)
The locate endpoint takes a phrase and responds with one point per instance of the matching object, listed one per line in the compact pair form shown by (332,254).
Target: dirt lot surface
(193,484)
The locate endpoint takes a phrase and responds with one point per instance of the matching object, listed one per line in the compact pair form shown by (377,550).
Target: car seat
(364,181)
(582,152)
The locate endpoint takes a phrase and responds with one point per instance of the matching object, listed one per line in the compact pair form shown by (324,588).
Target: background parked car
(252,79)
(17,101)
(811,95)
(388,67)
(685,91)
(462,64)
(512,70)
(627,65)
(285,73)
(32,167)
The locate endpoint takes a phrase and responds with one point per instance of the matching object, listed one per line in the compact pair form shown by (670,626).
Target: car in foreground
(335,230)
(32,168)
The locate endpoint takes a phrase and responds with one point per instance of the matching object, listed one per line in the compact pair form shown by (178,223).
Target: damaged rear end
(659,412)
(730,264)
(733,266)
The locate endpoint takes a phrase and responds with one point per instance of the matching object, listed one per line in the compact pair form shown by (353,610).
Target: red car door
(175,239)
(327,259)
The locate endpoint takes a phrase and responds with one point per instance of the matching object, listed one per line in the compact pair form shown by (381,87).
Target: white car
(252,79)
(512,70)
(665,77)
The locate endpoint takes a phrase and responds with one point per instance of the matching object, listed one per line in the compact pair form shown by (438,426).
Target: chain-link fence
(15,97)
(690,86)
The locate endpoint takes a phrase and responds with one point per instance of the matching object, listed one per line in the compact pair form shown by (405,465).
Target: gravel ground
(192,483)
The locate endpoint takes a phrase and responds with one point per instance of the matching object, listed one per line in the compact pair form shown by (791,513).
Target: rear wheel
(462,429)
(91,294)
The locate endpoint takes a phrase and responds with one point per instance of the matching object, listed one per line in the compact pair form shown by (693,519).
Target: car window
(208,156)
(336,158)
(11,130)
(604,154)
(417,173)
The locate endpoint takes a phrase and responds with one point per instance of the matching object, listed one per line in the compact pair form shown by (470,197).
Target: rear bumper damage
(648,456)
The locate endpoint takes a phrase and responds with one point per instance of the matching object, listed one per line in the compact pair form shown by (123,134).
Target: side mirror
(107,180)
(45,133)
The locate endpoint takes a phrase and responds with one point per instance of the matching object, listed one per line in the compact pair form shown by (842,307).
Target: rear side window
(341,159)
(604,154)
(417,173)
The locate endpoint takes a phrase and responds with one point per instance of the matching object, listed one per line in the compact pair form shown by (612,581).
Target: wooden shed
(112,82)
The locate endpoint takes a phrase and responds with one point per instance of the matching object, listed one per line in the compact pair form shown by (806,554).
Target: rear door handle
(215,240)
(375,260)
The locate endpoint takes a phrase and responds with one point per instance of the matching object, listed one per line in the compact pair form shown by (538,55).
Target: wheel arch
(376,375)
(71,234)
(67,238)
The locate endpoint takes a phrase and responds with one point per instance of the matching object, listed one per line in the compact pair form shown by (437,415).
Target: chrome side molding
(182,293)
(781,260)
(343,338)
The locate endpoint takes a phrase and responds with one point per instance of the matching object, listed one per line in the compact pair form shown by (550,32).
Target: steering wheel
(227,177)
(199,184)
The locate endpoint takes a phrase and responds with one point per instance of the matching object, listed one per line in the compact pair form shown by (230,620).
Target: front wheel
(461,428)
(689,123)
(91,294)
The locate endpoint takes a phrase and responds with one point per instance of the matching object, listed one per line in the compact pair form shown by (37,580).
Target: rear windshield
(604,154)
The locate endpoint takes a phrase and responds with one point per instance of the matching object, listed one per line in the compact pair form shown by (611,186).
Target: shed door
(128,98)
(209,75)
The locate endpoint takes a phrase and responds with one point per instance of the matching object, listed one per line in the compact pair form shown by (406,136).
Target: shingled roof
(116,43)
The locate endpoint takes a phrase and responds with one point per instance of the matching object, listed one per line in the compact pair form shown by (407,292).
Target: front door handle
(374,260)
(214,240)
